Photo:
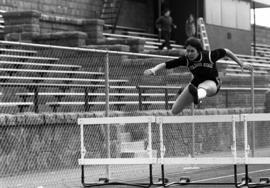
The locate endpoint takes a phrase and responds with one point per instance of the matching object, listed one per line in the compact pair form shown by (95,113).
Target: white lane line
(228,176)
(222,177)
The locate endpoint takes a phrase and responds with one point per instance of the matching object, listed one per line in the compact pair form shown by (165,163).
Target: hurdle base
(106,181)
(253,185)
(246,181)
(143,185)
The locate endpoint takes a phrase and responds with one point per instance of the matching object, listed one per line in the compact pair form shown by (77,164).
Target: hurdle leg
(246,175)
(163,175)
(235,175)
(151,174)
(82,174)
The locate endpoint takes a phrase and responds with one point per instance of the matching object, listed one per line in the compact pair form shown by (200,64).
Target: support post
(36,102)
(253,130)
(193,132)
(254,29)
(86,99)
(166,99)
(107,111)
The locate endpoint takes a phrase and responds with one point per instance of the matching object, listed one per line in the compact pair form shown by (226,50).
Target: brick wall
(68,8)
(134,13)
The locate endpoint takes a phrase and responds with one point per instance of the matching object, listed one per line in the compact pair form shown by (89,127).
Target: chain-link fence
(45,89)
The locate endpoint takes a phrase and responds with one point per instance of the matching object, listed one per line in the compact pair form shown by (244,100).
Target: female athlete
(202,65)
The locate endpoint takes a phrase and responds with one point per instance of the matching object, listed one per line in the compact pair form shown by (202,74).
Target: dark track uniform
(203,68)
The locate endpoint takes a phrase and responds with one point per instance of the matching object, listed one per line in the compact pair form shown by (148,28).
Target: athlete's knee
(175,110)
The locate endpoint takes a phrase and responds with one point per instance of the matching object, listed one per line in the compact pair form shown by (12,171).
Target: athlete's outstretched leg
(183,100)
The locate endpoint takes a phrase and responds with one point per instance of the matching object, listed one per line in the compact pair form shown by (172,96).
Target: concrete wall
(222,37)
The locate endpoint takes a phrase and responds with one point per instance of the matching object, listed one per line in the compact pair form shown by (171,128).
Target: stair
(110,12)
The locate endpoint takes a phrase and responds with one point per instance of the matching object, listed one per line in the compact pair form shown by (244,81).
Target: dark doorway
(180,10)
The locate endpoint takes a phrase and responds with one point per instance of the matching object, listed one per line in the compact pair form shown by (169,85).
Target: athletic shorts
(197,82)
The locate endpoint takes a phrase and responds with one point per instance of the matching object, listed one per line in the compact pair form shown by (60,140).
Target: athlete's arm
(156,68)
(231,55)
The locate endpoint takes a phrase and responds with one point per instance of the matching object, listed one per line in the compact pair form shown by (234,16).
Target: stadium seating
(261,65)
(152,41)
(261,49)
(35,79)
(45,84)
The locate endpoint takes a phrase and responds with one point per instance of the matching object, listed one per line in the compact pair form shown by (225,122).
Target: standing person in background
(202,64)
(190,27)
(164,25)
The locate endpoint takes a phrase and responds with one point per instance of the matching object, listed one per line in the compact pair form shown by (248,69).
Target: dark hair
(194,42)
(166,10)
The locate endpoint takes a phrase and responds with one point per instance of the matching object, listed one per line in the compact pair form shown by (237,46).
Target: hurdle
(112,161)
(264,182)
(195,160)
(161,122)
(235,160)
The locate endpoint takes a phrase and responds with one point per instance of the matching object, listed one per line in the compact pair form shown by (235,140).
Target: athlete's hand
(149,72)
(247,66)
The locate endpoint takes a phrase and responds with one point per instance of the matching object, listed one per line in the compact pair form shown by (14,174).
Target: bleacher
(35,83)
(152,41)
(72,88)
(261,66)
(262,50)
(261,61)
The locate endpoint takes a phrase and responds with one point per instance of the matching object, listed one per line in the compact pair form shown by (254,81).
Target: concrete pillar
(21,25)
(94,29)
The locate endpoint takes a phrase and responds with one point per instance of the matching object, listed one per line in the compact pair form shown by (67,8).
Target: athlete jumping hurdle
(202,64)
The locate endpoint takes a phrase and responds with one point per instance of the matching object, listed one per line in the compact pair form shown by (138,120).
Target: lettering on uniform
(192,67)
(209,65)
